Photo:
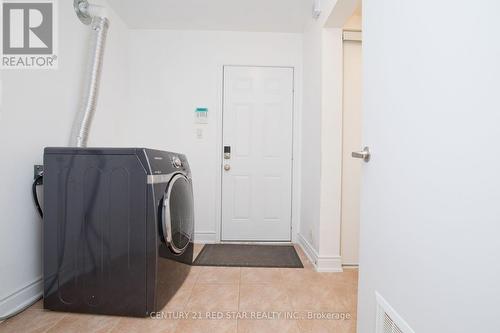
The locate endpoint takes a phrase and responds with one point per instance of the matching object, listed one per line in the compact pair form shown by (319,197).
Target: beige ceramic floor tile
(197,249)
(268,326)
(193,275)
(213,297)
(304,258)
(37,305)
(31,321)
(319,298)
(300,277)
(312,291)
(347,279)
(206,326)
(264,297)
(76,323)
(139,325)
(219,275)
(309,298)
(260,275)
(179,300)
(299,251)
(224,289)
(308,265)
(344,288)
(327,326)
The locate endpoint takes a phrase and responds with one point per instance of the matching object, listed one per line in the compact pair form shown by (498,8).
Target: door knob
(227,167)
(364,154)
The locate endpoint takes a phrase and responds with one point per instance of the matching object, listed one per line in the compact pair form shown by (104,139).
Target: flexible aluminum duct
(83,121)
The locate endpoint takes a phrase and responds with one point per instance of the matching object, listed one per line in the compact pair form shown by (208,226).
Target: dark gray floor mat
(245,255)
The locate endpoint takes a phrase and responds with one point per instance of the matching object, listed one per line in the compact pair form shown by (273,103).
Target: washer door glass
(178,220)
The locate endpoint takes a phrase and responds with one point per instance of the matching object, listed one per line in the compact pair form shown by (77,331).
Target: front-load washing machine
(117,231)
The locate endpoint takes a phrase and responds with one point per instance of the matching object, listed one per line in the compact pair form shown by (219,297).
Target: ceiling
(232,15)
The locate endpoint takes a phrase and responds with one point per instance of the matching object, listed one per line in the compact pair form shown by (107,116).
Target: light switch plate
(199,133)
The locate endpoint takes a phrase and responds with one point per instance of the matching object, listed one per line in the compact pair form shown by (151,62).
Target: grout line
(239,290)
(197,277)
(290,302)
(239,300)
(176,322)
(189,298)
(184,307)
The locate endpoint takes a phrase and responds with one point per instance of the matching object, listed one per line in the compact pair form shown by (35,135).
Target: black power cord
(38,181)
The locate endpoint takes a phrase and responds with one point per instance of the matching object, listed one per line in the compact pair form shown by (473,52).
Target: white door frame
(334,31)
(327,255)
(296,155)
(353,36)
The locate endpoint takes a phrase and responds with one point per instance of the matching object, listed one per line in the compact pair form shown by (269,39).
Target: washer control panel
(163,162)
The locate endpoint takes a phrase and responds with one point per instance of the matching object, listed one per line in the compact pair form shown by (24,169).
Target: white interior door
(430,199)
(257,176)
(352,141)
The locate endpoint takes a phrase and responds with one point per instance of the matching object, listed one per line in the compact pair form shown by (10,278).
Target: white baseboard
(308,249)
(329,264)
(21,299)
(321,263)
(205,237)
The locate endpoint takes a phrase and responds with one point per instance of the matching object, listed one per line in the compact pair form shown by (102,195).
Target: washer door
(177,214)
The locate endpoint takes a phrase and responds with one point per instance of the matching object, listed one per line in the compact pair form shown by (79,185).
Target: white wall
(311,125)
(37,110)
(430,220)
(311,134)
(322,134)
(174,72)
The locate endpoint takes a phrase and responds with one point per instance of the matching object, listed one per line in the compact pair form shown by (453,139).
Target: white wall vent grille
(388,321)
(389,325)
